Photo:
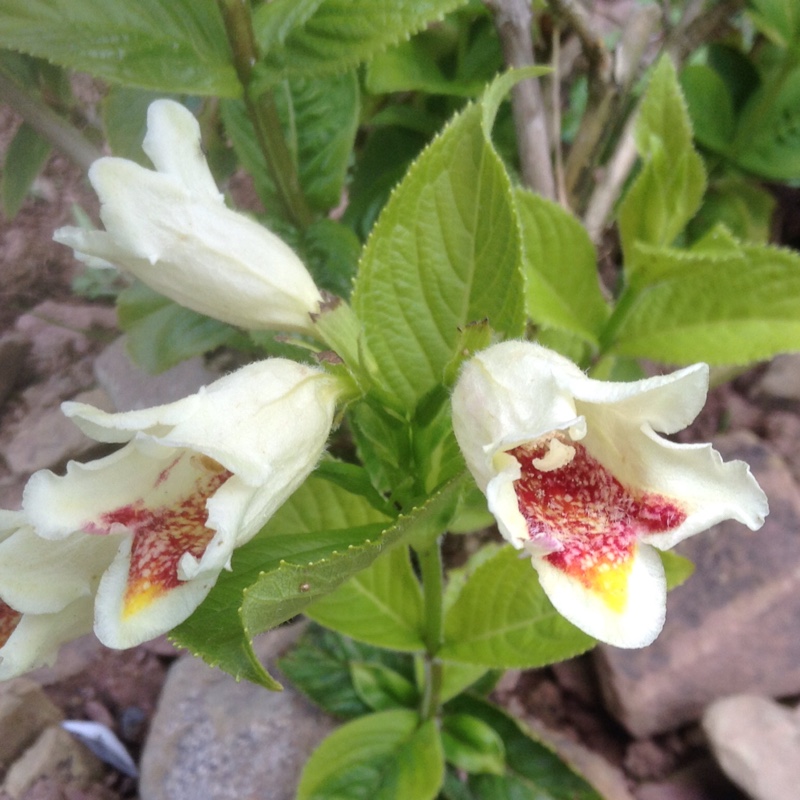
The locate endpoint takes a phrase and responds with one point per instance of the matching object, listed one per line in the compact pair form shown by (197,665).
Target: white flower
(46,591)
(196,479)
(172,230)
(576,475)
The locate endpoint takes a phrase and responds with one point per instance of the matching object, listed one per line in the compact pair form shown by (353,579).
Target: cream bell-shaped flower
(577,476)
(171,229)
(47,591)
(196,479)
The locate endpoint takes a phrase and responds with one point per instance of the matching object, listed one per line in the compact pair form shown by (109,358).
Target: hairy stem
(513,22)
(48,123)
(263,113)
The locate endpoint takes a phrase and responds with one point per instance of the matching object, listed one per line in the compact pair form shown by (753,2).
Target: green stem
(47,123)
(430,563)
(263,113)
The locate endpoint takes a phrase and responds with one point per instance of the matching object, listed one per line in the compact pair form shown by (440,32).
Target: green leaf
(778,20)
(125,121)
(312,37)
(457,677)
(472,745)
(379,167)
(768,140)
(677,568)
(283,590)
(742,206)
(383,756)
(503,619)
(383,446)
(710,106)
(319,520)
(533,772)
(319,120)
(445,252)
(668,190)
(319,665)
(381,688)
(25,157)
(731,307)
(412,66)
(330,250)
(381,605)
(562,286)
(161,334)
(165,45)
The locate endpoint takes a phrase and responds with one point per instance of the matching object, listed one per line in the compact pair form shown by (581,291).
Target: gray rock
(757,744)
(701,780)
(62,333)
(781,380)
(13,350)
(54,755)
(216,739)
(48,439)
(132,388)
(731,627)
(607,779)
(25,711)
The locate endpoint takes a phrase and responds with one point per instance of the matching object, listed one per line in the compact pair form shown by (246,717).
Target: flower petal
(28,641)
(38,576)
(247,421)
(173,145)
(201,254)
(622,602)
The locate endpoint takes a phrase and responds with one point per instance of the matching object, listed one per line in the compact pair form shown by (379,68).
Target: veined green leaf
(319,665)
(167,45)
(318,520)
(311,37)
(319,120)
(533,771)
(668,190)
(381,605)
(502,618)
(731,307)
(444,252)
(383,756)
(562,286)
(286,588)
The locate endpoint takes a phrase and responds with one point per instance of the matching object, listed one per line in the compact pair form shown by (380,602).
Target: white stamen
(558,455)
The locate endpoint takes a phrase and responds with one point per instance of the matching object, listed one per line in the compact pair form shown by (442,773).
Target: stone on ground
(757,744)
(216,739)
(25,711)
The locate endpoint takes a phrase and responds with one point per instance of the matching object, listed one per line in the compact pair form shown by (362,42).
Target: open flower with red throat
(47,591)
(577,476)
(170,228)
(196,479)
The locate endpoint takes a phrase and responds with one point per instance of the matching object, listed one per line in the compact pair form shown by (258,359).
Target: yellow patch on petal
(610,583)
(164,531)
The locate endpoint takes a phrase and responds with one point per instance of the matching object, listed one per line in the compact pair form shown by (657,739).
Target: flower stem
(430,563)
(263,113)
